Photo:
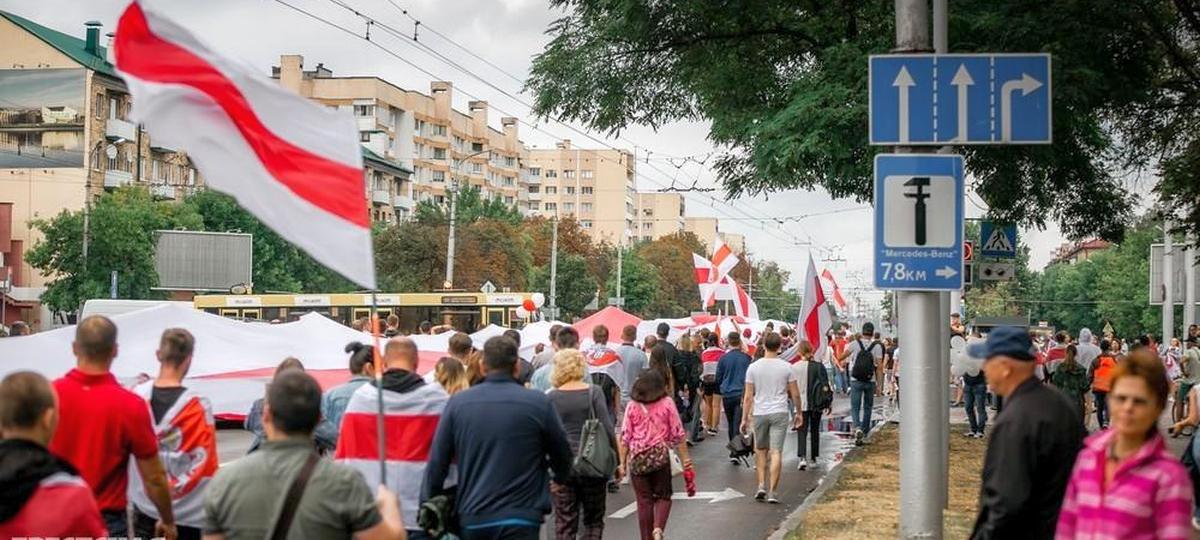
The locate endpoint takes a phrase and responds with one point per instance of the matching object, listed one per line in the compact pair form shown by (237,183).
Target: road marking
(713,496)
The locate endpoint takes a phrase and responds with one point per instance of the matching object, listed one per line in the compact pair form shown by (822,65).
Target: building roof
(66,44)
(384,163)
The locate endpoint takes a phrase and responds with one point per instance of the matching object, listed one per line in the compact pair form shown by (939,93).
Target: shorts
(710,388)
(770,430)
(1182,392)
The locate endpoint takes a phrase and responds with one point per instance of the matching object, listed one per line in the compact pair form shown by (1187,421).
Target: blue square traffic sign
(997,240)
(918,222)
(960,99)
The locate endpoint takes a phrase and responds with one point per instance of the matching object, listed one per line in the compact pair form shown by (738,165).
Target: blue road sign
(998,241)
(960,99)
(918,222)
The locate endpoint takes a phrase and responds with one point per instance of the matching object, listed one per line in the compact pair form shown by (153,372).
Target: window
(646,238)
(586,190)
(439,176)
(535,171)
(476,147)
(418,125)
(114,108)
(587,224)
(570,190)
(439,131)
(364,136)
(535,189)
(508,180)
(99,105)
(551,207)
(476,167)
(439,153)
(551,190)
(586,175)
(646,225)
(551,173)
(648,212)
(568,174)
(364,110)
(569,207)
(508,200)
(586,207)
(439,199)
(510,161)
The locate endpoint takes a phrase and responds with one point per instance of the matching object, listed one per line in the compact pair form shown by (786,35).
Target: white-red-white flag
(723,258)
(814,313)
(295,165)
(837,291)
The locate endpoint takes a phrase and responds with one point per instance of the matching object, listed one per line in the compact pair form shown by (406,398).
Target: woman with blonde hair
(451,375)
(576,402)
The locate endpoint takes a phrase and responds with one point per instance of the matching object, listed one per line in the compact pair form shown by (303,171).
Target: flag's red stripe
(408,437)
(331,186)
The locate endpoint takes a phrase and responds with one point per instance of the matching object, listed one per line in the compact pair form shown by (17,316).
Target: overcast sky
(508,33)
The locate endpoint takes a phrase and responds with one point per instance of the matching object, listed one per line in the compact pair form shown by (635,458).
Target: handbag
(596,457)
(650,459)
(676,463)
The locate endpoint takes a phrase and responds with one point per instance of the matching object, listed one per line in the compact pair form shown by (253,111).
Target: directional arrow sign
(962,81)
(1025,85)
(903,83)
(711,496)
(945,272)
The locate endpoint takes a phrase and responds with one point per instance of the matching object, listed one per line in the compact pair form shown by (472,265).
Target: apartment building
(658,215)
(707,230)
(596,187)
(65,136)
(424,139)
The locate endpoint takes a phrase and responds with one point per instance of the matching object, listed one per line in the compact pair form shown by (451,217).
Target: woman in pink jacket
(1125,484)
(650,431)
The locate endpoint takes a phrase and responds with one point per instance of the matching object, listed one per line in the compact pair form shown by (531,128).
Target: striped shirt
(1149,495)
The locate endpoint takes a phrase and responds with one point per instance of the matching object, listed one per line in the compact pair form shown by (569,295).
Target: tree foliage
(784,86)
(575,287)
(671,255)
(639,283)
(471,207)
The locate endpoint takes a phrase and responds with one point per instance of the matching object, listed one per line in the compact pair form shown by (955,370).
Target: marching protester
(632,357)
(547,355)
(526,368)
(731,382)
(581,496)
(816,397)
(606,369)
(841,374)
(1071,378)
(101,424)
(649,342)
(686,373)
(501,436)
(324,435)
(187,440)
(1125,483)
(321,498)
(975,401)
(1101,376)
(451,375)
(41,495)
(770,383)
(1034,442)
(1086,351)
(865,360)
(711,400)
(362,370)
(650,431)
(566,338)
(393,326)
(411,411)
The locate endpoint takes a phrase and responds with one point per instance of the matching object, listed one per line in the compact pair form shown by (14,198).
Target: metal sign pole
(941,45)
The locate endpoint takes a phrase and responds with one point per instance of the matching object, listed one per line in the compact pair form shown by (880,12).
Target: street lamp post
(449,283)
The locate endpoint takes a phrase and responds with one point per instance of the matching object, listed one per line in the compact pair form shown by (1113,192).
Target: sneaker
(613,487)
(969,434)
(978,434)
(858,437)
(734,460)
(772,499)
(712,433)
(760,494)
(803,465)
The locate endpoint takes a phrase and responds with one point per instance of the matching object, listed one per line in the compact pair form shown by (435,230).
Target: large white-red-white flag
(723,258)
(814,313)
(837,291)
(295,165)
(721,287)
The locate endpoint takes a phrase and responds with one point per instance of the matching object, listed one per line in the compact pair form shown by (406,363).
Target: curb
(792,521)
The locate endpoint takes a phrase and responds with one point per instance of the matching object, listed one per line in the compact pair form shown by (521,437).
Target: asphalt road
(724,506)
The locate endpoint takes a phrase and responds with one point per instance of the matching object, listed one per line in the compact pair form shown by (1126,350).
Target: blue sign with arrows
(940,99)
(919,222)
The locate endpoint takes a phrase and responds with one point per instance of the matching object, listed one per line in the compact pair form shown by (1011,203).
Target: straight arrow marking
(903,82)
(713,496)
(1025,84)
(963,81)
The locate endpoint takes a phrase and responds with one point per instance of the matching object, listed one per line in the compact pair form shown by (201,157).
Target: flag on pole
(743,305)
(814,313)
(837,291)
(295,165)
(723,258)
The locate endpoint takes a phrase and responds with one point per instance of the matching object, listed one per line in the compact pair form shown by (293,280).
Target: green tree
(411,257)
(639,283)
(492,250)
(671,255)
(575,286)
(121,239)
(783,85)
(472,207)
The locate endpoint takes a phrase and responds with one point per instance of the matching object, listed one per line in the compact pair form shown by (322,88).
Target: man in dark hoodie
(412,409)
(40,494)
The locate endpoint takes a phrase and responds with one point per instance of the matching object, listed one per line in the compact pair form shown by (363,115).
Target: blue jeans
(862,400)
(839,380)
(733,413)
(975,400)
(116,522)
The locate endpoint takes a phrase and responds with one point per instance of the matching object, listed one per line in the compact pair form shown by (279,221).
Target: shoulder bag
(649,459)
(596,457)
(291,502)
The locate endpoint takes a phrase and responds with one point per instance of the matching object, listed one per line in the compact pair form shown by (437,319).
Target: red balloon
(528,305)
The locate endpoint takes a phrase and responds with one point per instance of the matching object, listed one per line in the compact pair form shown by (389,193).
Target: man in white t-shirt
(770,381)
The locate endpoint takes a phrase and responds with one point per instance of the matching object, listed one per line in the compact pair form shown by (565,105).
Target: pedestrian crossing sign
(998,240)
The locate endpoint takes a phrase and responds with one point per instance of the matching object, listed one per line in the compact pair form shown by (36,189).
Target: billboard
(42,113)
(203,261)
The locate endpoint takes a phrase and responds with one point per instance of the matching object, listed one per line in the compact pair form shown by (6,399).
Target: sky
(508,33)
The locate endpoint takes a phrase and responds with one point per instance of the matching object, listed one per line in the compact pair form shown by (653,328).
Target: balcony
(163,191)
(114,178)
(367,123)
(381,196)
(401,201)
(115,128)
(535,196)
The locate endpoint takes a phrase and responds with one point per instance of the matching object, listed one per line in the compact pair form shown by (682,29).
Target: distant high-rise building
(596,187)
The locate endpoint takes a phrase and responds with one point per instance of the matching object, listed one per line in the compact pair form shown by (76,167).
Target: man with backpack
(865,361)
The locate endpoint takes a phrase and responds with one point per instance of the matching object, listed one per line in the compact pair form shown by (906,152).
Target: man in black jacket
(1034,443)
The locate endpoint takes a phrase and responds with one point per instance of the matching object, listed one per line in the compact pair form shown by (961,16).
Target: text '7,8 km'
(899,272)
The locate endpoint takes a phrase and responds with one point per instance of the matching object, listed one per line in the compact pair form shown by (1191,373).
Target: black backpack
(863,368)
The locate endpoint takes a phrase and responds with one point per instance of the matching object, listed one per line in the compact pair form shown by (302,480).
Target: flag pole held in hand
(376,357)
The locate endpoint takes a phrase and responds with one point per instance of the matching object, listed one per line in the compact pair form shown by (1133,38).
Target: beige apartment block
(420,133)
(596,187)
(658,215)
(65,136)
(707,229)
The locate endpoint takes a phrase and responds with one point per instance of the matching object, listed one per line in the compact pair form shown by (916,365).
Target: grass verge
(865,502)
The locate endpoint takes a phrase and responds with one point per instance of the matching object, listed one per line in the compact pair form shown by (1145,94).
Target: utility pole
(553,267)
(921,471)
(453,194)
(620,260)
(941,45)
(1168,306)
(1189,288)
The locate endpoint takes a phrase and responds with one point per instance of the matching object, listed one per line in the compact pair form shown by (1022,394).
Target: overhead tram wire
(371,22)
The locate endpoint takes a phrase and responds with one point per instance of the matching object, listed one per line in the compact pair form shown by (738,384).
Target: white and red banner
(837,291)
(295,165)
(723,258)
(815,319)
(187,446)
